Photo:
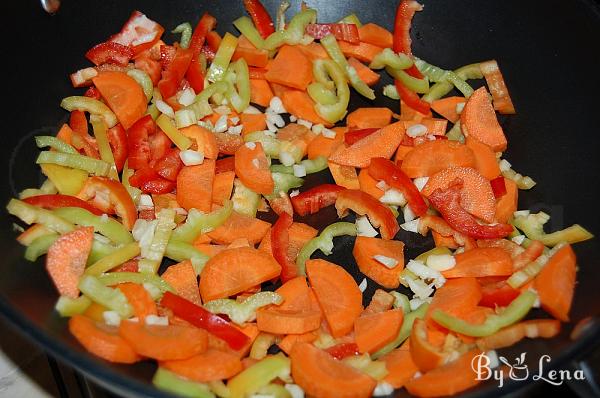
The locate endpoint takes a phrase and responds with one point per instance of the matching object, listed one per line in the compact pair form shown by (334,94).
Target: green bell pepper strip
(48,187)
(389,58)
(90,105)
(270,144)
(515,311)
(185,29)
(310,165)
(442,88)
(153,111)
(247,28)
(275,391)
(36,215)
(532,226)
(219,388)
(455,133)
(283,183)
(144,81)
(106,226)
(323,242)
(289,153)
(168,381)
(198,223)
(115,278)
(166,125)
(321,93)
(201,107)
(412,83)
(401,301)
(40,246)
(363,363)
(404,332)
(238,92)
(218,67)
(75,161)
(101,134)
(99,251)
(262,373)
(294,33)
(181,251)
(154,254)
(523,182)
(67,306)
(261,345)
(334,51)
(351,19)
(435,251)
(43,141)
(134,192)
(112,299)
(435,74)
(246,311)
(280,17)
(114,259)
(336,111)
(245,201)
(531,270)
(390,91)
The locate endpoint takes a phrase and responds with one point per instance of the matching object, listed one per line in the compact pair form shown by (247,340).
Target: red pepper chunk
(498,187)
(139,32)
(362,203)
(386,170)
(138,143)
(195,74)
(169,165)
(280,242)
(110,195)
(313,200)
(341,31)
(117,138)
(261,18)
(109,52)
(57,200)
(411,98)
(447,202)
(498,294)
(402,42)
(356,135)
(343,350)
(149,181)
(174,73)
(206,320)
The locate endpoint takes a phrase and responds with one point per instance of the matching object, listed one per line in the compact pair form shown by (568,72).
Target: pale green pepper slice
(294,33)
(106,226)
(246,311)
(389,58)
(101,134)
(43,141)
(412,83)
(323,242)
(112,299)
(115,278)
(144,81)
(67,306)
(168,381)
(336,111)
(270,144)
(99,251)
(173,133)
(154,255)
(245,201)
(218,67)
(114,259)
(283,183)
(75,161)
(201,107)
(351,19)
(247,28)
(404,332)
(252,379)
(531,270)
(198,223)
(40,246)
(181,251)
(30,214)
(90,105)
(310,165)
(238,93)
(532,226)
(185,29)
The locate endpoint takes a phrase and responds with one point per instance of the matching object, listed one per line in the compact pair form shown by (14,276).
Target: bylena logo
(519,371)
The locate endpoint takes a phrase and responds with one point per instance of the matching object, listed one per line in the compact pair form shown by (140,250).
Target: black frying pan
(547,51)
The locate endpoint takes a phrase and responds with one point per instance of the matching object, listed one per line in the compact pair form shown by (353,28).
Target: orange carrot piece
(337,293)
(323,146)
(210,365)
(364,250)
(556,283)
(208,249)
(375,35)
(194,186)
(313,51)
(260,92)
(449,379)
(252,168)
(401,153)
(164,342)
(457,297)
(478,120)
(479,262)
(239,226)
(434,126)
(299,313)
(364,118)
(344,176)
(382,143)
(139,298)
(245,267)
(495,81)
(205,140)
(287,343)
(424,351)
(222,187)
(408,113)
(546,328)
(364,52)
(447,107)
(380,302)
(368,184)
(253,122)
(228,143)
(373,331)
(253,56)
(365,74)
(182,278)
(434,156)
(477,196)
(299,104)
(123,95)
(322,376)
(443,241)
(506,205)
(399,365)
(66,260)
(102,340)
(485,159)
(291,68)
(249,329)
(95,312)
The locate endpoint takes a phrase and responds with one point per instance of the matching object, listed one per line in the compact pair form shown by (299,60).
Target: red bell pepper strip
(167,55)
(343,350)
(411,98)
(281,204)
(152,67)
(149,181)
(92,92)
(195,75)
(109,195)
(362,203)
(57,200)
(160,144)
(447,202)
(499,294)
(78,122)
(341,31)
(117,138)
(138,142)
(213,41)
(109,52)
(139,32)
(169,165)
(261,18)
(206,24)
(280,242)
(356,135)
(402,42)
(386,170)
(313,200)
(206,320)
(498,187)
(440,226)
(174,72)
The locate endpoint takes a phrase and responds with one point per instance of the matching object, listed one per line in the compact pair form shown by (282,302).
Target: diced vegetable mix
(190,142)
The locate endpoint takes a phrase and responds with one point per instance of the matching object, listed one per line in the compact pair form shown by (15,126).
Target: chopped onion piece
(426,273)
(521,213)
(363,285)
(234,120)
(411,226)
(382,185)
(191,158)
(416,302)
(416,130)
(295,390)
(286,158)
(276,105)
(255,163)
(327,133)
(383,389)
(504,165)
(221,124)
(318,128)
(493,358)
(156,320)
(251,110)
(295,192)
(111,318)
(299,170)
(441,262)
(408,214)
(293,118)
(393,197)
(187,97)
(364,227)
(165,108)
(518,239)
(153,290)
(389,262)
(304,123)
(420,182)
(235,130)
(419,288)
(146,201)
(459,107)
(276,119)
(250,145)
(222,110)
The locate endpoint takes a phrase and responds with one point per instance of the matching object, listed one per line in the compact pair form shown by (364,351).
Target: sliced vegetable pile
(178,164)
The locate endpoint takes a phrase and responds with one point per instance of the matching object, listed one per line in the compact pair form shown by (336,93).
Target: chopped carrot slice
(210,365)
(478,120)
(182,278)
(365,248)
(434,156)
(373,331)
